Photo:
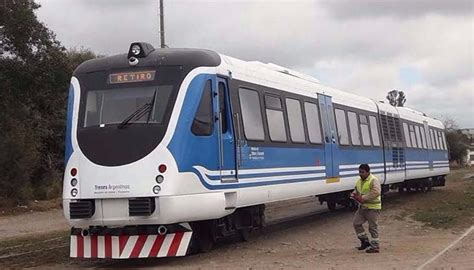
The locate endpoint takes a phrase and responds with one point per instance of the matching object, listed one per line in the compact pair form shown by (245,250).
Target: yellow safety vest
(363,187)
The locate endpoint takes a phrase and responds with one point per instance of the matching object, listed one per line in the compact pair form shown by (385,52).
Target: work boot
(364,243)
(372,249)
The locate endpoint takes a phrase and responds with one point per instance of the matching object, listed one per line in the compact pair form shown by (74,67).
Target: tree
(396,98)
(34,77)
(458,142)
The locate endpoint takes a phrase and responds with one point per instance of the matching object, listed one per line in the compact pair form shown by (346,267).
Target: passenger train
(170,150)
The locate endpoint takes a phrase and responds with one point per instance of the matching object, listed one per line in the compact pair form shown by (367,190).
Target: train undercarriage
(413,185)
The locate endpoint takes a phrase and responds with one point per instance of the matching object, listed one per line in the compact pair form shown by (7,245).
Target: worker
(367,193)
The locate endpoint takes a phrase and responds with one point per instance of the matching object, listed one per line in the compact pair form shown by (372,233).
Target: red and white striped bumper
(130,246)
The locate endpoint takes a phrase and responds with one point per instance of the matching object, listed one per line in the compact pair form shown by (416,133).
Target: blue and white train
(169,150)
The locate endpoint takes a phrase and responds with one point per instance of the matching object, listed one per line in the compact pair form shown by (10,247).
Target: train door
(226,141)
(330,135)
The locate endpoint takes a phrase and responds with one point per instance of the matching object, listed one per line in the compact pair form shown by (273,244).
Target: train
(170,150)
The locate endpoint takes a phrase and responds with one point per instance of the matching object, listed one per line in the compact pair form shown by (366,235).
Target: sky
(368,47)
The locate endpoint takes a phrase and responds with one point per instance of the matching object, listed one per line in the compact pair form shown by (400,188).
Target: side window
(407,134)
(428,140)
(413,137)
(276,122)
(434,142)
(374,131)
(312,121)
(202,123)
(439,140)
(251,114)
(223,106)
(364,128)
(423,137)
(342,127)
(295,120)
(418,137)
(443,136)
(354,128)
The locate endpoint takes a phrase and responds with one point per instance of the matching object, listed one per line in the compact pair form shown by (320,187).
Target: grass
(451,207)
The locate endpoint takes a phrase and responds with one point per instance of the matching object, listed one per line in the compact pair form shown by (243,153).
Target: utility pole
(162,25)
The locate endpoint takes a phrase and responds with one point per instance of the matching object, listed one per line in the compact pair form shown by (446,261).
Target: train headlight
(73,182)
(139,49)
(135,49)
(74,192)
(160,179)
(156,189)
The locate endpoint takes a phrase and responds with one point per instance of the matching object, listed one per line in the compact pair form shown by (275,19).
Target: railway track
(55,249)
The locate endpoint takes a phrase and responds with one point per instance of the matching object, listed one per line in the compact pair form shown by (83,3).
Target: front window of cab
(112,107)
(123,115)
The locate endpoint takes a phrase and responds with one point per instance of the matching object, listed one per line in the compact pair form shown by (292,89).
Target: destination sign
(128,77)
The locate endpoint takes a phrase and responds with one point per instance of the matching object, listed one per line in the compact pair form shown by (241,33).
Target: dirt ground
(320,240)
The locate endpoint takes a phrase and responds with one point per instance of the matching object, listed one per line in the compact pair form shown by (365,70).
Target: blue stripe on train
(253,175)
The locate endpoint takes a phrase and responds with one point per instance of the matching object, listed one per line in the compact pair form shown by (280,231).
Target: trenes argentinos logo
(111,189)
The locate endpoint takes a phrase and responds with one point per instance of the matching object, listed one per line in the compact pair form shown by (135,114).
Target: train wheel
(331,205)
(203,236)
(429,185)
(245,234)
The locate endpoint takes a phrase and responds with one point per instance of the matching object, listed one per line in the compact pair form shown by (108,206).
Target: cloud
(358,46)
(404,9)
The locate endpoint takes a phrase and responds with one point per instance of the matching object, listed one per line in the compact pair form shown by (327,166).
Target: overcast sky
(368,47)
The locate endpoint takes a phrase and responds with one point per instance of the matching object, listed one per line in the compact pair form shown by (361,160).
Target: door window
(223,106)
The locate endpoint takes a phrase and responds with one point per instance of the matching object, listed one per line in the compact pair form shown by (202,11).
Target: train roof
(271,75)
(189,58)
(253,71)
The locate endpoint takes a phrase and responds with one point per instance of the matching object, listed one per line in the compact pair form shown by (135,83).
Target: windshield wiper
(139,113)
(146,108)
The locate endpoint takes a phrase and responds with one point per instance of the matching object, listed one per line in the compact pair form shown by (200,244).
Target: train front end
(121,186)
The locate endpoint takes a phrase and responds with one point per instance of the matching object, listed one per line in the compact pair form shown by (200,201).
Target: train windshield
(108,107)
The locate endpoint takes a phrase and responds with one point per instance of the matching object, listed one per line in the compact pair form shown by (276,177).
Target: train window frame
(291,123)
(316,124)
(356,126)
(261,129)
(423,137)
(270,110)
(419,143)
(374,131)
(411,128)
(406,133)
(205,111)
(441,147)
(364,125)
(433,137)
(340,137)
(443,137)
(223,107)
